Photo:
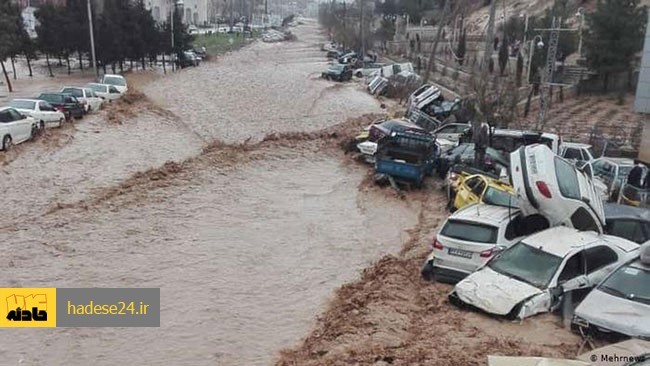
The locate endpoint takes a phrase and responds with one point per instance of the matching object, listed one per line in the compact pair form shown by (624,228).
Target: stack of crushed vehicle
(541,225)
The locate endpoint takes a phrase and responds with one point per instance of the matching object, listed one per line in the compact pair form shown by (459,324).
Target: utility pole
(92,38)
(172,13)
(363,45)
(489,38)
(547,75)
(432,55)
(231,16)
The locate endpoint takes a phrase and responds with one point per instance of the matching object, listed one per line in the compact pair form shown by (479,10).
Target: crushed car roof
(575,144)
(483,213)
(571,239)
(618,161)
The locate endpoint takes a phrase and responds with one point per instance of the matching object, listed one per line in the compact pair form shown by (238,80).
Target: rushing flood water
(245,257)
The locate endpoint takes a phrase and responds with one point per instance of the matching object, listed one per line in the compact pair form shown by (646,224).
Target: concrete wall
(644,149)
(642,100)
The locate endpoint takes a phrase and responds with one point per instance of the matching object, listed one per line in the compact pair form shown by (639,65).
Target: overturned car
(552,187)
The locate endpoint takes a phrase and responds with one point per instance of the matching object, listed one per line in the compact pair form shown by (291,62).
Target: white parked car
(44,114)
(423,96)
(577,152)
(451,131)
(15,127)
(118,81)
(532,276)
(620,304)
(470,237)
(549,185)
(85,96)
(105,91)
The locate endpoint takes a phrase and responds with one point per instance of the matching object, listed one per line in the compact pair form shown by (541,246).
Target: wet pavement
(246,256)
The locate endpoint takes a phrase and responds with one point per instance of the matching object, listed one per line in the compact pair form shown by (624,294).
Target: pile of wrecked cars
(544,241)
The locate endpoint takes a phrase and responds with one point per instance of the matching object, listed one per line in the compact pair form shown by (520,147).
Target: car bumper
(432,272)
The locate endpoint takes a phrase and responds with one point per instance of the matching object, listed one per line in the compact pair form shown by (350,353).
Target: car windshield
(591,151)
(527,264)
(629,282)
(22,104)
(50,97)
(469,231)
(96,87)
(73,91)
(498,197)
(114,80)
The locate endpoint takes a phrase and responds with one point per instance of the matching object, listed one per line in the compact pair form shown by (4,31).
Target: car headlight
(581,322)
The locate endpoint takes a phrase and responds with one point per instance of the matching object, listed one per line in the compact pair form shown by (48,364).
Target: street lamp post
(92,38)
(580,14)
(172,11)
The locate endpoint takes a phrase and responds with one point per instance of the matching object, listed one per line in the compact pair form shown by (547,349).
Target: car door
(20,126)
(579,198)
(46,112)
(573,276)
(470,191)
(600,260)
(446,132)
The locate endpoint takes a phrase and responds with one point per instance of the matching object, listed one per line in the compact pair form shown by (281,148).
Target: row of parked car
(24,118)
(535,226)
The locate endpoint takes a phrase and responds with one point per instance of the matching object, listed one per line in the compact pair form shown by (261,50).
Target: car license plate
(460,253)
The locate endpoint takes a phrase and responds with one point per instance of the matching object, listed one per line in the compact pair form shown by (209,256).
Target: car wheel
(61,122)
(428,272)
(6,143)
(34,132)
(41,126)
(359,74)
(512,315)
(456,301)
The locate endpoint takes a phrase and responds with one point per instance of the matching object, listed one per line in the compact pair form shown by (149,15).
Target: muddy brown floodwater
(246,243)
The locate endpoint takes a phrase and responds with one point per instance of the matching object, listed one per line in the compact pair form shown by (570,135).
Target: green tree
(77,30)
(614,36)
(50,41)
(10,31)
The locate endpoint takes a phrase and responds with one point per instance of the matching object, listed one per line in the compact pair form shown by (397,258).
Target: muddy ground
(227,187)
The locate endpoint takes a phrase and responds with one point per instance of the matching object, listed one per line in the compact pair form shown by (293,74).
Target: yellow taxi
(478,188)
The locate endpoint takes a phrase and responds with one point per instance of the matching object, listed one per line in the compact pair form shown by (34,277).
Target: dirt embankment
(217,155)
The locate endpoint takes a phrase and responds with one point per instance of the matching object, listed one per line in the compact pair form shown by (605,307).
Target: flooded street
(247,247)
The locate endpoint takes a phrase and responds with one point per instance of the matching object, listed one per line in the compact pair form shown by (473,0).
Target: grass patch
(220,43)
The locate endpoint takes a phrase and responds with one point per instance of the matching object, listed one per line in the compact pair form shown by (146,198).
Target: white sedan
(118,81)
(41,111)
(534,275)
(105,91)
(86,96)
(15,127)
(552,187)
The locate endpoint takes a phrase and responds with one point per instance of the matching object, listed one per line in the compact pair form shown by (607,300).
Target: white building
(194,11)
(29,20)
